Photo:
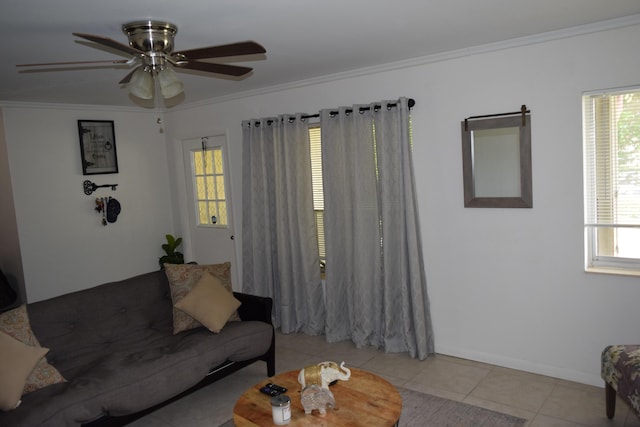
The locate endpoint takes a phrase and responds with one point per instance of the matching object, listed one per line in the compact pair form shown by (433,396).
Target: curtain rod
(410,103)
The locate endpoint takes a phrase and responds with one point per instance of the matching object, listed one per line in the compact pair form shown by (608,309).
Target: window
(318,193)
(612,180)
(315,145)
(209,187)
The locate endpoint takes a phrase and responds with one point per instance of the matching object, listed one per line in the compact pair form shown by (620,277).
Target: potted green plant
(172,255)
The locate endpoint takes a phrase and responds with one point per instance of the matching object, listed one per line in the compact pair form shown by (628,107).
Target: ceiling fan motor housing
(151,36)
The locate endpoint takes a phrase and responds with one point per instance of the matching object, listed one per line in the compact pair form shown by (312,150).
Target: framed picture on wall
(98,147)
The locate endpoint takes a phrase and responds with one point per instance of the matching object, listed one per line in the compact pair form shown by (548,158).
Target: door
(209,195)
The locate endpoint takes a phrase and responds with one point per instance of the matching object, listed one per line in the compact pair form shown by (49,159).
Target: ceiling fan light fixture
(170,86)
(141,84)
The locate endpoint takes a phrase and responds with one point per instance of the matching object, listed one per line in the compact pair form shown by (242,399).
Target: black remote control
(269,391)
(276,387)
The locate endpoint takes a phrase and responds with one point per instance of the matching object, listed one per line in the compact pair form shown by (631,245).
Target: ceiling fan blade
(233,49)
(231,70)
(127,78)
(105,41)
(108,61)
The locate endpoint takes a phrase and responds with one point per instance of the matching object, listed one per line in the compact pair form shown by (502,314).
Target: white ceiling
(303,39)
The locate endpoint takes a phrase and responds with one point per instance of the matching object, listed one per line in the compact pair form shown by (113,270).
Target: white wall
(64,246)
(507,286)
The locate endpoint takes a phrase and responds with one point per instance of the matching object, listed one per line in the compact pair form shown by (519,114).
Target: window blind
(612,158)
(316,181)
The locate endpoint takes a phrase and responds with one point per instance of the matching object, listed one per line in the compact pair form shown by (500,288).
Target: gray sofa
(114,345)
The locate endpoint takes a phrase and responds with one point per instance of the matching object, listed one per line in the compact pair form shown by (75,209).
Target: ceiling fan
(151,49)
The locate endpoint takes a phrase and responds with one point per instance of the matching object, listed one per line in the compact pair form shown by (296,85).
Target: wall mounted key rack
(108,208)
(90,187)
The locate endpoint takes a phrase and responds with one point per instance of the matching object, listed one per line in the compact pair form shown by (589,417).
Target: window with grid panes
(209,185)
(612,180)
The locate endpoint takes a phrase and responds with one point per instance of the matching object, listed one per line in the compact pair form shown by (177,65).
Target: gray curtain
(376,291)
(279,243)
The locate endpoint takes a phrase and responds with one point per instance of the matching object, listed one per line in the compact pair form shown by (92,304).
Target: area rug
(421,410)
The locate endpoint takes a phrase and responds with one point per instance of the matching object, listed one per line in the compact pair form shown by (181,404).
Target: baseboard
(523,365)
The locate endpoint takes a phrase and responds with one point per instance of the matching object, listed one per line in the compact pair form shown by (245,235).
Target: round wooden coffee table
(364,400)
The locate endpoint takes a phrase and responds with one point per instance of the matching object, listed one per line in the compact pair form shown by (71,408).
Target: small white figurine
(316,397)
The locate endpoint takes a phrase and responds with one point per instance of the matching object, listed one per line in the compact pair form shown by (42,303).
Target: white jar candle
(281,409)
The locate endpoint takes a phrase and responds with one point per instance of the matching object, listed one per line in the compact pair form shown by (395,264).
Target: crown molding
(84,107)
(549,36)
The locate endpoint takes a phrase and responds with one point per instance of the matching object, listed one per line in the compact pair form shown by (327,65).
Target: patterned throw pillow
(15,323)
(183,277)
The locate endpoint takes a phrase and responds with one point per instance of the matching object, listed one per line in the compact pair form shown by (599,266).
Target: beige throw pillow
(209,303)
(183,277)
(17,360)
(16,323)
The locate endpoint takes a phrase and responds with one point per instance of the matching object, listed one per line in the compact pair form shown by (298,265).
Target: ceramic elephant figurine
(315,397)
(323,374)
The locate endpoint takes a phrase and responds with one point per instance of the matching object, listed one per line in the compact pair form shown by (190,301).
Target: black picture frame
(98,147)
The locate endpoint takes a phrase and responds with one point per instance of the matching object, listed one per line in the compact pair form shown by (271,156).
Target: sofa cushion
(241,340)
(16,324)
(182,277)
(209,303)
(177,363)
(136,376)
(17,360)
(80,327)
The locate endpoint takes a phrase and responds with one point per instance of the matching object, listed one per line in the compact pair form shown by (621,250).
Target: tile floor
(544,401)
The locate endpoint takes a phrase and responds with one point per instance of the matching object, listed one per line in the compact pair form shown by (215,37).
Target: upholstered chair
(621,374)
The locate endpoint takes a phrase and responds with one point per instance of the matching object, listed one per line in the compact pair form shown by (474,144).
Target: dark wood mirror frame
(525,198)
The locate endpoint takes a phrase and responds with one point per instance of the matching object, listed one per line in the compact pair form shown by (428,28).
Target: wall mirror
(496,160)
